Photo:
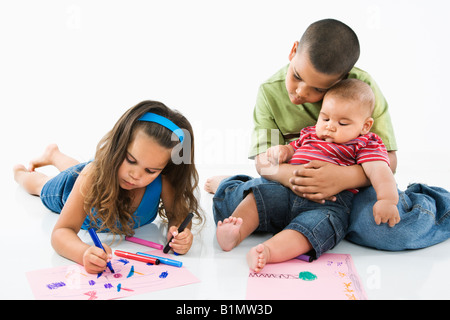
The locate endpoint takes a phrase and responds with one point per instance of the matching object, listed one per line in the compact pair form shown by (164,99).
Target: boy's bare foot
(45,159)
(213,183)
(258,257)
(227,233)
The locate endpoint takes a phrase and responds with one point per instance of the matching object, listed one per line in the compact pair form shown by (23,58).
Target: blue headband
(153,117)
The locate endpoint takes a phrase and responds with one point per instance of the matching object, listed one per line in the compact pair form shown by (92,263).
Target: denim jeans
(424,213)
(324,225)
(56,191)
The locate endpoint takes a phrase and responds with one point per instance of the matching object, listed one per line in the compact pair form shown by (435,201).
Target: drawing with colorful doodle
(130,277)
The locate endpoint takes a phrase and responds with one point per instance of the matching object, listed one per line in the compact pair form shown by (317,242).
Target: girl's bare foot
(258,257)
(19,171)
(227,233)
(213,183)
(31,181)
(45,159)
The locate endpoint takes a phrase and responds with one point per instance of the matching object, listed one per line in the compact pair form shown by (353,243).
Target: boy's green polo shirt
(278,121)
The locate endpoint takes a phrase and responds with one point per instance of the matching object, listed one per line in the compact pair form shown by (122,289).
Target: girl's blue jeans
(424,213)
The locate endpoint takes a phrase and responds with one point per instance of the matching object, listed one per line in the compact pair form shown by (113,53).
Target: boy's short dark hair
(333,47)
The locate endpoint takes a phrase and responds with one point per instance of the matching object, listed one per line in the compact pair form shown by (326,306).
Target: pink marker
(144,242)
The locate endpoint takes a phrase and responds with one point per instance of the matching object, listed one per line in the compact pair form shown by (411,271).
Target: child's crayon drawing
(131,277)
(331,277)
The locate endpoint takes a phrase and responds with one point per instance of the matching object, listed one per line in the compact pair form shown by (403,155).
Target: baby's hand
(279,154)
(386,211)
(181,242)
(95,259)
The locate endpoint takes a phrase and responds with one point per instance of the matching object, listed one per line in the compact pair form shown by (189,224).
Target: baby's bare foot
(227,233)
(258,257)
(45,159)
(213,183)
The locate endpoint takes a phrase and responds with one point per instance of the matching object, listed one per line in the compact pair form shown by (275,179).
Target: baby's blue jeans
(424,213)
(324,225)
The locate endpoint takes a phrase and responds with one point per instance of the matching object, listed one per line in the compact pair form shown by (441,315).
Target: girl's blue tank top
(148,208)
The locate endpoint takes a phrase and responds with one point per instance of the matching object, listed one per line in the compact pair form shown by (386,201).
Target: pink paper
(131,277)
(331,277)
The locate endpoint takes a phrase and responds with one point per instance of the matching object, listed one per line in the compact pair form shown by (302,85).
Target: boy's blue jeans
(424,213)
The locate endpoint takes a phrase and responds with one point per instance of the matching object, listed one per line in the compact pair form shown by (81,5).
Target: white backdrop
(69,69)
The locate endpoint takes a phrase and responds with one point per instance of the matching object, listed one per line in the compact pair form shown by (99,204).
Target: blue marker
(169,262)
(98,244)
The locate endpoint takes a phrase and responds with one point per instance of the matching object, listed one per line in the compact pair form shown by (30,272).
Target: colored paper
(131,277)
(331,277)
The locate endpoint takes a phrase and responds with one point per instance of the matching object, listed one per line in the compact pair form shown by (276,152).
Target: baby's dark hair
(332,46)
(355,90)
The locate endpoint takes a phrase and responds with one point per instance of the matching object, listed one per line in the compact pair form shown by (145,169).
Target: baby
(341,136)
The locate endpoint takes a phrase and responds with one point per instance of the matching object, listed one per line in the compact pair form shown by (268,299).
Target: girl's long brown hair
(108,205)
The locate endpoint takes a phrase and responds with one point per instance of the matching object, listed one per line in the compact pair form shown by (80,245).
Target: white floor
(71,68)
(25,246)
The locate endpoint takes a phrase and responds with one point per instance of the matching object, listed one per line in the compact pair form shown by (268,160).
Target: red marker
(137,257)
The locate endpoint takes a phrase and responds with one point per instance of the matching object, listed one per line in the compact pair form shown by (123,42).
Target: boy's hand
(95,259)
(317,181)
(385,211)
(181,242)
